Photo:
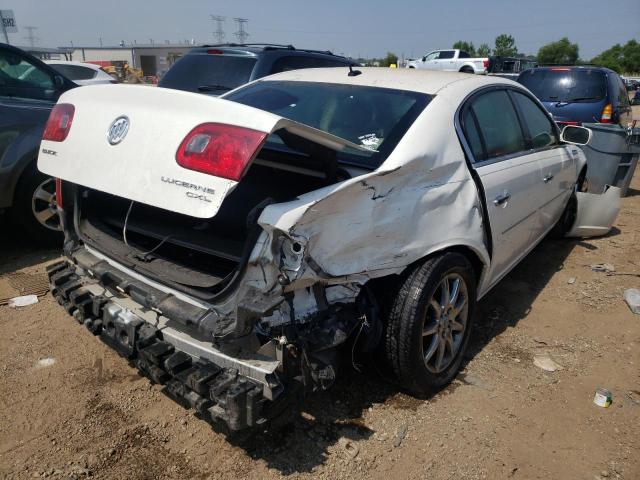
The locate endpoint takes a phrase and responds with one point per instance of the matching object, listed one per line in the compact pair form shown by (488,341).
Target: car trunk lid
(142,166)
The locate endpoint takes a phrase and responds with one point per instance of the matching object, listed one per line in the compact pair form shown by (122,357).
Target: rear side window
(463,54)
(540,127)
(209,73)
(75,72)
(472,134)
(284,64)
(498,125)
(565,84)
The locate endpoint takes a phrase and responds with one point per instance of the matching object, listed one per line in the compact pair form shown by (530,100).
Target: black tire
(22,211)
(466,70)
(566,220)
(410,312)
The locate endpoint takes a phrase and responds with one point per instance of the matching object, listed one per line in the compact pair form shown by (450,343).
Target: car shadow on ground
(18,251)
(335,417)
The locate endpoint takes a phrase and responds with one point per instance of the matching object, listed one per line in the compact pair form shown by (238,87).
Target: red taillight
(215,51)
(59,193)
(485,63)
(59,123)
(607,113)
(221,150)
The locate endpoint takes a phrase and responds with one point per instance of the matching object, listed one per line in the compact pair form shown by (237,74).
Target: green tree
(391,58)
(505,46)
(560,52)
(621,58)
(466,46)
(484,50)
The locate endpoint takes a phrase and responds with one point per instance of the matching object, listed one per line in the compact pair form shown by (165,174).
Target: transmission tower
(218,33)
(242,33)
(31,37)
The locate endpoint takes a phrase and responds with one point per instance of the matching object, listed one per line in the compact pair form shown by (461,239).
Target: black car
(216,69)
(576,95)
(28,91)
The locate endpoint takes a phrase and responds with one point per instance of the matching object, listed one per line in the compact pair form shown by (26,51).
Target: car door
(28,91)
(556,162)
(430,61)
(508,176)
(446,60)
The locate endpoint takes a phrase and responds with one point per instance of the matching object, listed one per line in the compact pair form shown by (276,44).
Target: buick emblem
(118,130)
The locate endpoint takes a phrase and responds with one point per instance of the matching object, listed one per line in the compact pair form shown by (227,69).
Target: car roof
(415,80)
(257,48)
(574,67)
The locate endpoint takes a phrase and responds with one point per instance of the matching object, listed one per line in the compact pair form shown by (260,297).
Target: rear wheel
(35,208)
(466,70)
(430,322)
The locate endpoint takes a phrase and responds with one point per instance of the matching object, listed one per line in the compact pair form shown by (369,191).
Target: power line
(31,37)
(242,33)
(218,33)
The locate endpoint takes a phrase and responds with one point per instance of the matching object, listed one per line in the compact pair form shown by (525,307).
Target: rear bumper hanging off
(219,394)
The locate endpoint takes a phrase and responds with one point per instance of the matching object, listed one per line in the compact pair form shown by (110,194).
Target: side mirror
(576,135)
(58,81)
(424,59)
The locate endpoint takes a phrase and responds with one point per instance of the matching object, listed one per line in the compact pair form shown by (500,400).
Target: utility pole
(31,37)
(4,29)
(218,33)
(242,33)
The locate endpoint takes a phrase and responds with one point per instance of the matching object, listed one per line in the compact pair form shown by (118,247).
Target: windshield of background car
(565,85)
(213,74)
(375,118)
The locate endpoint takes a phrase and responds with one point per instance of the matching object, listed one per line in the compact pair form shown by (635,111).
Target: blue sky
(352,27)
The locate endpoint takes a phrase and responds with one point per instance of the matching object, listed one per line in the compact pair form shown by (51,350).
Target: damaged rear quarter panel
(421,200)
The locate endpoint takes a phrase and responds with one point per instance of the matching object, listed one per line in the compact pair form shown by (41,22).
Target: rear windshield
(75,72)
(562,85)
(211,74)
(374,118)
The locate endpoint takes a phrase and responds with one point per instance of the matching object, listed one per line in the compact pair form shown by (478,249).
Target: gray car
(28,90)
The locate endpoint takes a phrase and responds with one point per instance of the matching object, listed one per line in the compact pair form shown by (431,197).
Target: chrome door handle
(501,199)
(548,178)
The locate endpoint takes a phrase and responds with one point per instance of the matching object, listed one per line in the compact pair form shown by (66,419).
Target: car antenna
(352,72)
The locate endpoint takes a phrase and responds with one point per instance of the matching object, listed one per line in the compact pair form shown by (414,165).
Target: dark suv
(576,95)
(28,90)
(216,69)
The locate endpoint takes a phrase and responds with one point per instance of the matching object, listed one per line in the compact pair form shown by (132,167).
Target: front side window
(22,79)
(431,56)
(541,130)
(498,125)
(445,54)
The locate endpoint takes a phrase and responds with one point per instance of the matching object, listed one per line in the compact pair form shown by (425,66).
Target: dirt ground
(70,407)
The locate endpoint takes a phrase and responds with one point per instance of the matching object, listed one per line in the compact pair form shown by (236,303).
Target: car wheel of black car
(430,323)
(34,206)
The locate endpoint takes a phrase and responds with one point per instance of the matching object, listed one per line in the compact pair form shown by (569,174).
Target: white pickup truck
(452,61)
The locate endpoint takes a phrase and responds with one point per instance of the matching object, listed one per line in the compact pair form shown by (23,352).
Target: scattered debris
(546,363)
(602,398)
(632,297)
(571,280)
(537,340)
(603,267)
(23,283)
(350,448)
(46,362)
(400,434)
(23,301)
(473,380)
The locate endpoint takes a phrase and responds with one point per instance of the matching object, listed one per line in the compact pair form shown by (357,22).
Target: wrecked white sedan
(230,246)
